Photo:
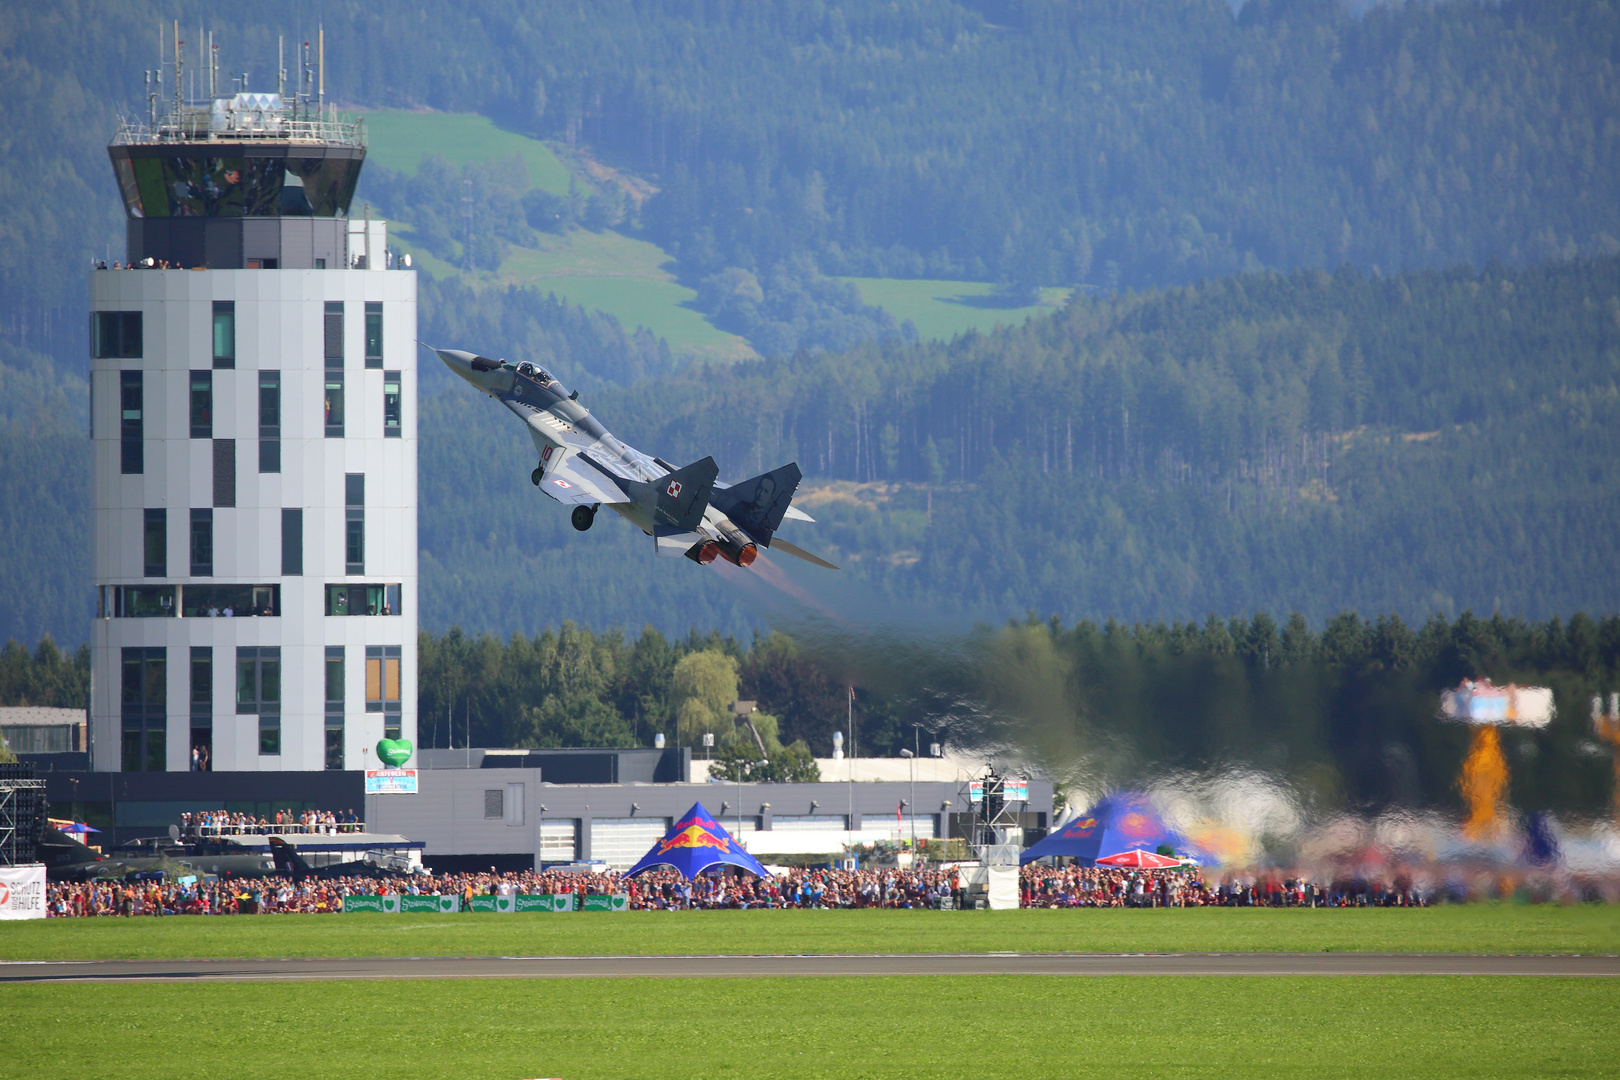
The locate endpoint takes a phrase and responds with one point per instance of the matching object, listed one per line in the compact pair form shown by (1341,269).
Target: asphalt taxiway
(712,967)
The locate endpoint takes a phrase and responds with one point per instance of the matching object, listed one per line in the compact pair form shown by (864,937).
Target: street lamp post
(911,760)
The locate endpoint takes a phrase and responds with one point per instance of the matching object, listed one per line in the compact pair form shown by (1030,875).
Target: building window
(130,401)
(224,333)
(156,543)
(115,335)
(224,472)
(334,404)
(202,708)
(391,404)
(269,421)
(144,709)
(354,523)
(229,601)
(136,602)
(202,404)
(292,541)
(362,599)
(334,334)
(382,686)
(374,355)
(334,707)
(494,804)
(258,692)
(202,543)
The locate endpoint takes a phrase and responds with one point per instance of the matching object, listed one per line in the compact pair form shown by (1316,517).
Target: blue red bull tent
(697,843)
(1118,823)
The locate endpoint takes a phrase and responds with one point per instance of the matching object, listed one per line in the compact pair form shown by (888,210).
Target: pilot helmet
(526,368)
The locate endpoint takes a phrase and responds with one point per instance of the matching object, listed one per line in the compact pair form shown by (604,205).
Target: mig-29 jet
(685,510)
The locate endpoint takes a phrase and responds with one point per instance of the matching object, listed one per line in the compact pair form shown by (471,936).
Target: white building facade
(255,526)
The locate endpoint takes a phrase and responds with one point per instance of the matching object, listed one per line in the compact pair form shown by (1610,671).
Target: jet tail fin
(679,498)
(288,861)
(759,503)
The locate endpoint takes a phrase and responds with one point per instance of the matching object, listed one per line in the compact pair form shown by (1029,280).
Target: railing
(256,829)
(284,126)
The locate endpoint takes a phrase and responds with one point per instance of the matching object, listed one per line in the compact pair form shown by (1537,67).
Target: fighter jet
(686,510)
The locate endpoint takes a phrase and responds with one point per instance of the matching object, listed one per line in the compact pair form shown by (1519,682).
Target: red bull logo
(1083,827)
(693,836)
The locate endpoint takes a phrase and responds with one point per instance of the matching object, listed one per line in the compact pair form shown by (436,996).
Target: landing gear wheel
(534,478)
(583,516)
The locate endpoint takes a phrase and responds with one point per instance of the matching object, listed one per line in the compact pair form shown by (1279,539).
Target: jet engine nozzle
(705,553)
(737,554)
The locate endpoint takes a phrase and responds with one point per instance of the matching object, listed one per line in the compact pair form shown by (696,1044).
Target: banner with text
(22,891)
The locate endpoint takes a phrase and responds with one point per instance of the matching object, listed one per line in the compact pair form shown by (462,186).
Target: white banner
(22,891)
(390,781)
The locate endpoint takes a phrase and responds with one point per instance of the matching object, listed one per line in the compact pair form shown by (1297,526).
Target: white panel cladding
(279,318)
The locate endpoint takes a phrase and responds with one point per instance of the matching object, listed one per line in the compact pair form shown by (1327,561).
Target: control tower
(253,416)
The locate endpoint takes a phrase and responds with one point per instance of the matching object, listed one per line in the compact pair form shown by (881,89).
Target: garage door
(621,842)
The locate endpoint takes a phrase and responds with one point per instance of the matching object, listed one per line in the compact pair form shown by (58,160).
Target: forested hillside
(1425,443)
(1099,141)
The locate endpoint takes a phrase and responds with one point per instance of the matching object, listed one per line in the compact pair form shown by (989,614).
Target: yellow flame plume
(1484,783)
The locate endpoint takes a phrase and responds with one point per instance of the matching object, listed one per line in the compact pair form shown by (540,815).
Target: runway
(723,967)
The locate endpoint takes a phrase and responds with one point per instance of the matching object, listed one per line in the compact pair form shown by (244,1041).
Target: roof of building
(20,715)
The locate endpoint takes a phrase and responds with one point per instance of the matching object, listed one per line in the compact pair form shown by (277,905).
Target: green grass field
(1460,929)
(943,309)
(399,140)
(826,1027)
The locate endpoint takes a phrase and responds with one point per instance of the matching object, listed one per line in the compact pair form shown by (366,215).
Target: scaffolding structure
(22,815)
(994,823)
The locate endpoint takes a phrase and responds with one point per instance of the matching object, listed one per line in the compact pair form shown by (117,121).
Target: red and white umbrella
(1139,860)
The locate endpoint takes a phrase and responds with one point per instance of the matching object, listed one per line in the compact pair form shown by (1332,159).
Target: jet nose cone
(456,359)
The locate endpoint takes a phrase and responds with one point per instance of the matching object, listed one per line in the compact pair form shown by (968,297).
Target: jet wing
(566,474)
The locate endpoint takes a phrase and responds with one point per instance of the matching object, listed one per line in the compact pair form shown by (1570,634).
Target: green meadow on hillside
(399,140)
(943,309)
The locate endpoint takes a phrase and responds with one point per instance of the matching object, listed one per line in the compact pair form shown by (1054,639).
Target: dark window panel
(224,472)
(354,489)
(115,335)
(391,405)
(202,404)
(202,543)
(374,334)
(131,431)
(334,404)
(292,541)
(156,543)
(269,455)
(334,333)
(224,333)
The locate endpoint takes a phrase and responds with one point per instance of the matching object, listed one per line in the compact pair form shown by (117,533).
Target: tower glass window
(130,433)
(115,335)
(333,334)
(143,709)
(391,404)
(224,333)
(202,708)
(382,686)
(224,472)
(258,692)
(202,404)
(202,543)
(374,334)
(155,543)
(354,523)
(269,421)
(292,540)
(334,706)
(334,404)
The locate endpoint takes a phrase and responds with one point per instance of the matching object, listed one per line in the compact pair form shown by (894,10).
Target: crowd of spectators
(934,887)
(206,823)
(1186,886)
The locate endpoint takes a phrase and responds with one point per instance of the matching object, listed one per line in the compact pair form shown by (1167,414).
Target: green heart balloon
(394,752)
